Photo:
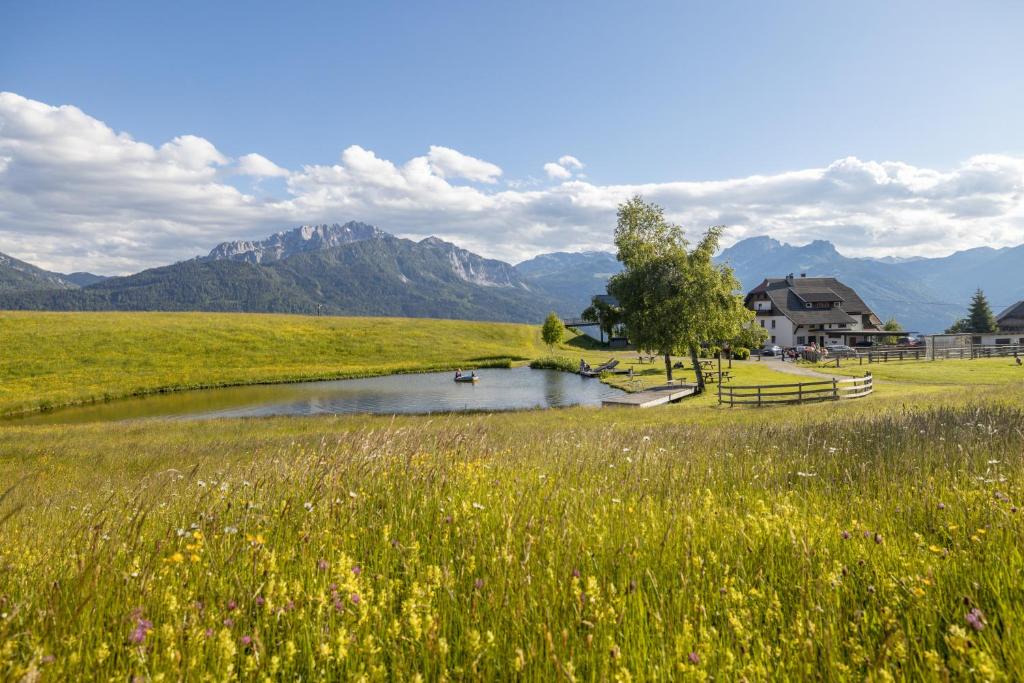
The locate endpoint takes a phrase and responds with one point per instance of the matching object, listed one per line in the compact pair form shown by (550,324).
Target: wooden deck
(655,396)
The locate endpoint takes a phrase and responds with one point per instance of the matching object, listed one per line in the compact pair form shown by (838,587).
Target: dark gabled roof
(1014,311)
(811,296)
(790,297)
(1012,318)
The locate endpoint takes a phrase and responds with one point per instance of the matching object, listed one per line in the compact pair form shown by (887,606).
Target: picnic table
(707,364)
(712,377)
(641,358)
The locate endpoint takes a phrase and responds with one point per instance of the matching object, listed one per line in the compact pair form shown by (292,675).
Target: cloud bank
(75,194)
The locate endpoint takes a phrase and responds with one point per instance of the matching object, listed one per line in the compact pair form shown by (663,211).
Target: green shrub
(741,353)
(555,363)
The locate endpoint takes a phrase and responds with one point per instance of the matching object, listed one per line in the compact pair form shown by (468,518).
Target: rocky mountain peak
(296,241)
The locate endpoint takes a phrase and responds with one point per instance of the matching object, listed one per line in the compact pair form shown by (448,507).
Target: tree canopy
(892,325)
(980,316)
(605,314)
(979,320)
(552,330)
(673,298)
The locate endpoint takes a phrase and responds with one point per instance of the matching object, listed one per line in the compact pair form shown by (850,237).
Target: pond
(435,392)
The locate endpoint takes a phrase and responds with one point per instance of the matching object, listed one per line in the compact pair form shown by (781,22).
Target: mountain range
(358,269)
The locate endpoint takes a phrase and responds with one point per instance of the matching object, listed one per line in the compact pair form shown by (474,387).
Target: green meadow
(877,539)
(55,359)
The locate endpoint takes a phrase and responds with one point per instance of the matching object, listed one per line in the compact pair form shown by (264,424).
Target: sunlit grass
(577,544)
(54,359)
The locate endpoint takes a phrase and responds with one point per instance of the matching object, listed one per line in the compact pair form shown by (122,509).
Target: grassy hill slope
(51,359)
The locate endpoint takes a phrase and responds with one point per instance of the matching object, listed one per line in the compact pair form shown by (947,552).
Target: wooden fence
(800,392)
(994,351)
(916,353)
(960,352)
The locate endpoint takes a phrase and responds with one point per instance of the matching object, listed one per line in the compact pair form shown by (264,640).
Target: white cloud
(448,163)
(563,168)
(569,161)
(77,195)
(557,171)
(259,166)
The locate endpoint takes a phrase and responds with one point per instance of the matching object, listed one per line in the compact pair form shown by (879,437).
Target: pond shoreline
(503,388)
(46,407)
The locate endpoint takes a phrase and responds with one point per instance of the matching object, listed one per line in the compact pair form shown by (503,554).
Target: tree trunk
(696,369)
(668,366)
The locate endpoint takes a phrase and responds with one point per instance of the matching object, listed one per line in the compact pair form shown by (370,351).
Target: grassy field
(875,539)
(979,371)
(575,544)
(54,359)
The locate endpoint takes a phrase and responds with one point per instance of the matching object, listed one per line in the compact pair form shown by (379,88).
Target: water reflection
(517,388)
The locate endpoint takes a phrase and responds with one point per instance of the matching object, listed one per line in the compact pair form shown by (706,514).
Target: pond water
(435,392)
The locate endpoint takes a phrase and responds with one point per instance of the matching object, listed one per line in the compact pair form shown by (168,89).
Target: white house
(1011,328)
(801,310)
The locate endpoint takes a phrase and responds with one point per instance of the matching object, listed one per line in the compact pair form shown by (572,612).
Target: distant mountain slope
(84,279)
(431,278)
(570,278)
(379,276)
(18,276)
(355,268)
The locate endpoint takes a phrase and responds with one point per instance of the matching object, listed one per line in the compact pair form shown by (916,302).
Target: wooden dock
(655,396)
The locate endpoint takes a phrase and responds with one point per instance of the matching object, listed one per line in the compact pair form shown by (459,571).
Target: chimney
(803,274)
(789,278)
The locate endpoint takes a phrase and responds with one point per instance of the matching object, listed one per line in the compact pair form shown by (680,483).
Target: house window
(773,327)
(1002,342)
(773,339)
(801,340)
(762,323)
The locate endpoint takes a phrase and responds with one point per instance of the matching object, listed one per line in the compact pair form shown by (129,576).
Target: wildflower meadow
(878,545)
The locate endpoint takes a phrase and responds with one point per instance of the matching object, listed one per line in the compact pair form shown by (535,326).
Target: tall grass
(543,547)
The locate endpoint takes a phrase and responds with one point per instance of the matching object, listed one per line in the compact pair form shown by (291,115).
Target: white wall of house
(1000,338)
(779,329)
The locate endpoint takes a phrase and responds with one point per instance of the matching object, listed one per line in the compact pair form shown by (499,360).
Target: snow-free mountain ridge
(356,268)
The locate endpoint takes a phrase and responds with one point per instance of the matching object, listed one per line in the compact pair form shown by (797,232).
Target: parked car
(842,351)
(774,350)
(867,343)
(909,341)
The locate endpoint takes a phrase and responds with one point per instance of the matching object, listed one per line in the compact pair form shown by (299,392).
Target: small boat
(467,378)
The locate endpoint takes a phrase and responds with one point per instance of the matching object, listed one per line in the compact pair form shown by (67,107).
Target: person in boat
(458,374)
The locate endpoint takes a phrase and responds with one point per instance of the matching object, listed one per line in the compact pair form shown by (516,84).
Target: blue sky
(640,93)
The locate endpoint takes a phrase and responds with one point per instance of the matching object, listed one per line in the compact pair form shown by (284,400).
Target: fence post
(759,396)
(800,392)
(835,388)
